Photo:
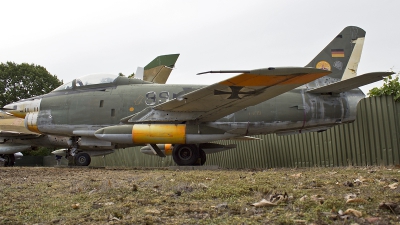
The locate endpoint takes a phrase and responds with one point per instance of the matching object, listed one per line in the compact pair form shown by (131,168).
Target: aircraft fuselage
(67,113)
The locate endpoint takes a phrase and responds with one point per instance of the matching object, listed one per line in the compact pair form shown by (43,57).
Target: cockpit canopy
(91,79)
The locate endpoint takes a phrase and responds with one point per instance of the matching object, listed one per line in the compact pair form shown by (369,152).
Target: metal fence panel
(29,161)
(373,139)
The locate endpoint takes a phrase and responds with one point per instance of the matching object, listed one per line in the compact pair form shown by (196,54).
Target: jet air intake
(30,122)
(144,134)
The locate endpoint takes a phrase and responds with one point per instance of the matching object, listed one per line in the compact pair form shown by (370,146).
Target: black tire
(203,157)
(9,160)
(185,155)
(82,159)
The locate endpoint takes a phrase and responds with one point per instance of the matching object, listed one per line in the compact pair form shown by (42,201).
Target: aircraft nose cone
(8,107)
(14,109)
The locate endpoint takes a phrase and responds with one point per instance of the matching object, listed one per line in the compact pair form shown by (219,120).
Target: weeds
(283,196)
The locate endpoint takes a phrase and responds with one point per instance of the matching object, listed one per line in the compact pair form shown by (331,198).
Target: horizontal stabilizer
(351,83)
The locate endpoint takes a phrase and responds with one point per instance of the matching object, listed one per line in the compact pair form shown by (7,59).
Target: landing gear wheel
(202,157)
(82,159)
(185,155)
(9,160)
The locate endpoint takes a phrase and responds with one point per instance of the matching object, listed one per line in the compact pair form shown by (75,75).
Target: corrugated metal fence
(373,139)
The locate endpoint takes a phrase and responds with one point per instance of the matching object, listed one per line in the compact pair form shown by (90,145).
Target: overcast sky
(76,38)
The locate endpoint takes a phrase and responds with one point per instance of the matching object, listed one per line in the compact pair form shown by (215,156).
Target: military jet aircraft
(15,137)
(105,112)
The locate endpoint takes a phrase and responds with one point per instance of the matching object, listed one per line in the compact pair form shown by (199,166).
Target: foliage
(391,86)
(21,81)
(130,76)
(40,151)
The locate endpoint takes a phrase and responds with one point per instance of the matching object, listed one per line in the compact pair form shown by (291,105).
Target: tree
(25,81)
(391,86)
(40,151)
(130,76)
(20,81)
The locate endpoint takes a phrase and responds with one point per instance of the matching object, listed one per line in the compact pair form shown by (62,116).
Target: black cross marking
(234,94)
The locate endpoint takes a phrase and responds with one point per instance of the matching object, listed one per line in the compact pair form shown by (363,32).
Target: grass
(134,196)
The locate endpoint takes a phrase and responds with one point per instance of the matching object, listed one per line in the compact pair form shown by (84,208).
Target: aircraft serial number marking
(151,97)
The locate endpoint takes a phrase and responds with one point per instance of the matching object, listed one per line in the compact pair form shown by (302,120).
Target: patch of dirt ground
(351,195)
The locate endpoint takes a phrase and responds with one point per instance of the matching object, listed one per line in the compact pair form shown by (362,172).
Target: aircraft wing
(223,98)
(13,134)
(351,83)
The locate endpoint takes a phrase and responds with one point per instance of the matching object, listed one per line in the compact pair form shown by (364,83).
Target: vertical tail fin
(158,70)
(341,55)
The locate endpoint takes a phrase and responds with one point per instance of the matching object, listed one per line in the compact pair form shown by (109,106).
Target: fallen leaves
(372,219)
(360,180)
(297,175)
(220,206)
(264,203)
(273,200)
(183,197)
(352,198)
(393,207)
(343,215)
(393,186)
(356,200)
(353,212)
(316,198)
(75,206)
(113,218)
(302,199)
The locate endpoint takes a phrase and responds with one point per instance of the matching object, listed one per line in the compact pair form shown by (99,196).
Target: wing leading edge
(223,98)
